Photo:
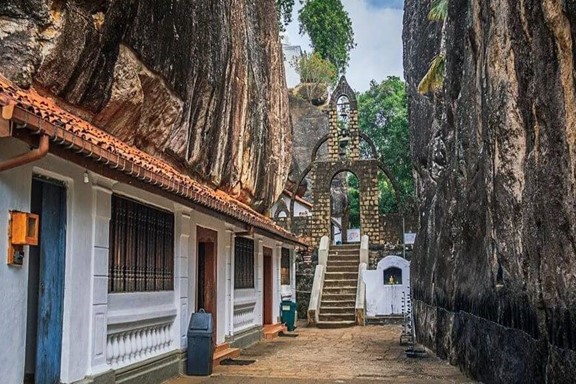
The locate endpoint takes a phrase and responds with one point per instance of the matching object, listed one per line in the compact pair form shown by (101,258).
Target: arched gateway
(343,140)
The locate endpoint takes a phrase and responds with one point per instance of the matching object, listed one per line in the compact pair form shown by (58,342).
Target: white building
(292,53)
(128,250)
(281,208)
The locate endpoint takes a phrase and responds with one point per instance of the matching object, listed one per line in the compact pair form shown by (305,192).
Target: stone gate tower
(344,155)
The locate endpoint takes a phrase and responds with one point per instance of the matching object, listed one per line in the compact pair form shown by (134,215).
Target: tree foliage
(353,192)
(433,80)
(330,30)
(434,77)
(316,74)
(383,116)
(438,10)
(284,9)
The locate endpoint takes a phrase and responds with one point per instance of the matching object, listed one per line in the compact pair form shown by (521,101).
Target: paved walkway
(348,355)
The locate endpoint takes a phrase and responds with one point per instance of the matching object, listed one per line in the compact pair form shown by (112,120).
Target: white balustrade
(129,346)
(244,315)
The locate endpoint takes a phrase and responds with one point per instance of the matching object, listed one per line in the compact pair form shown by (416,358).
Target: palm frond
(434,78)
(438,10)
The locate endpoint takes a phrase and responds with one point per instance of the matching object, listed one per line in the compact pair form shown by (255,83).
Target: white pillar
(101,213)
(182,229)
(293,273)
(278,291)
(230,281)
(259,279)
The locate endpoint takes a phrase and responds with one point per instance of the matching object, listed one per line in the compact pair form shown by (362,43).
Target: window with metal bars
(243,263)
(141,248)
(285,267)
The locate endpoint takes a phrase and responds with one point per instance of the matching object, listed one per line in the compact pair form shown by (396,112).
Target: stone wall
(300,225)
(391,227)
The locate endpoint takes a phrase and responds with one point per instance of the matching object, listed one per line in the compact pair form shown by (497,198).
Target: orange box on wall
(23,228)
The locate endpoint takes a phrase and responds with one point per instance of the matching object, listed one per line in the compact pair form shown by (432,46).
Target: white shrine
(385,286)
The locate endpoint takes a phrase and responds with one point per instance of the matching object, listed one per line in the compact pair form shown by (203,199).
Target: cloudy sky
(377,28)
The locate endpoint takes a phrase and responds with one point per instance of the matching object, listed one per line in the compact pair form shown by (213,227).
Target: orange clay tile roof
(42,113)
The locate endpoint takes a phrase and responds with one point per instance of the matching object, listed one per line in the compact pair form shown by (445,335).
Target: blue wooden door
(51,280)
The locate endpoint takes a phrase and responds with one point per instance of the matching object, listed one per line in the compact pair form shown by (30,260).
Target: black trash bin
(200,344)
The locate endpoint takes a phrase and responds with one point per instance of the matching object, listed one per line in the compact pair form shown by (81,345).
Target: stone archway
(343,141)
(342,216)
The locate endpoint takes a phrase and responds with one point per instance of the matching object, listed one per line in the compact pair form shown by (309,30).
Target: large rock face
(198,83)
(309,125)
(494,270)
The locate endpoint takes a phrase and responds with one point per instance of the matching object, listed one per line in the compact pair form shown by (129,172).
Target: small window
(285,267)
(392,276)
(243,263)
(141,248)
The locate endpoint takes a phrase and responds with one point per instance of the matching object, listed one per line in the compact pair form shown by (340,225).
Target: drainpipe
(29,157)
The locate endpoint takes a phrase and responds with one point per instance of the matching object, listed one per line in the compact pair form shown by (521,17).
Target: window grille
(285,267)
(141,248)
(243,263)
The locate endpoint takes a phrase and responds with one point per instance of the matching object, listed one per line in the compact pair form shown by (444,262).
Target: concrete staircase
(338,300)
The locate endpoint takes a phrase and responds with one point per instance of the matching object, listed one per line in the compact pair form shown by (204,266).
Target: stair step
(338,303)
(343,283)
(338,310)
(341,259)
(223,354)
(346,246)
(271,331)
(342,269)
(345,263)
(344,254)
(221,347)
(335,324)
(338,297)
(343,275)
(339,290)
(336,316)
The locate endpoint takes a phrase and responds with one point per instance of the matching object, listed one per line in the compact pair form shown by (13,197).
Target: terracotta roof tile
(70,127)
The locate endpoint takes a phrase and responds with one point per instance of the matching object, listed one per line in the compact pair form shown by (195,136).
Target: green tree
(316,74)
(353,192)
(330,30)
(383,116)
(284,8)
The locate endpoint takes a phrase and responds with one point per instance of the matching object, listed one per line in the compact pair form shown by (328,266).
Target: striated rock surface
(309,124)
(494,269)
(198,83)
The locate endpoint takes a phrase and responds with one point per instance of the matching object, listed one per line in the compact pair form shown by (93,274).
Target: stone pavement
(347,355)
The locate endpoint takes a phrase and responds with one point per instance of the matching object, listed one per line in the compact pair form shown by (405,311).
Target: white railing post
(318,285)
(361,296)
(361,285)
(323,251)
(364,244)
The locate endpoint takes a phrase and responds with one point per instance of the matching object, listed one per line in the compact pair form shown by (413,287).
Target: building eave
(36,115)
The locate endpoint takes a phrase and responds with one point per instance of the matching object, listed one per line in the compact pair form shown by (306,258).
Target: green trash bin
(288,314)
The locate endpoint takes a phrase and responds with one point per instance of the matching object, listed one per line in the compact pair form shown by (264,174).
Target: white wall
(290,53)
(15,190)
(90,312)
(14,194)
(299,208)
